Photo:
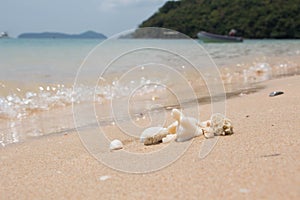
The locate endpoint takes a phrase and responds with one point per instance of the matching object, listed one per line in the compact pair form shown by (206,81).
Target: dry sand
(260,161)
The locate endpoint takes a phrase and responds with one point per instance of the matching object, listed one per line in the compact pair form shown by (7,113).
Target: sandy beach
(259,161)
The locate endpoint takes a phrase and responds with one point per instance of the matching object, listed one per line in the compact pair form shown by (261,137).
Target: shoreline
(25,128)
(260,160)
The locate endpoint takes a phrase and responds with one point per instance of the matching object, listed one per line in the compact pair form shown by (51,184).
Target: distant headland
(56,35)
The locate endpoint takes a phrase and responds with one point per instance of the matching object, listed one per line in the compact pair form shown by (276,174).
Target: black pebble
(276,93)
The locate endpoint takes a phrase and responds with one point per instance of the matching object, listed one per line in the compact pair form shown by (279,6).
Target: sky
(74,16)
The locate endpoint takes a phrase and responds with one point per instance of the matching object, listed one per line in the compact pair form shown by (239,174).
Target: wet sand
(260,161)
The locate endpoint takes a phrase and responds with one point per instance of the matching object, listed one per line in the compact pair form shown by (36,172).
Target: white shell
(208,132)
(116,145)
(153,135)
(176,114)
(172,128)
(169,138)
(205,124)
(150,132)
(187,128)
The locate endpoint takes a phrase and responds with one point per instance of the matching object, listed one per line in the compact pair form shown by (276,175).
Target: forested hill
(251,18)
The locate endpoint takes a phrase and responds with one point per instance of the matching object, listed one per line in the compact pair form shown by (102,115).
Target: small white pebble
(244,190)
(104,178)
(153,98)
(116,145)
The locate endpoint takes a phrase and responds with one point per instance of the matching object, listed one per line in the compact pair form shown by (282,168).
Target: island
(56,35)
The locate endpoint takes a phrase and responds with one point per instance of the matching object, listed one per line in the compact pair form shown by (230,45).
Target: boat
(3,35)
(210,37)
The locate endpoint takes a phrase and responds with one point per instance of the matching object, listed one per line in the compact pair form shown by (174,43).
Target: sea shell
(205,124)
(221,125)
(187,126)
(116,145)
(153,135)
(150,132)
(176,114)
(169,138)
(172,128)
(208,132)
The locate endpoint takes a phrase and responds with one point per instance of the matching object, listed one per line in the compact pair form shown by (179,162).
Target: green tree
(252,18)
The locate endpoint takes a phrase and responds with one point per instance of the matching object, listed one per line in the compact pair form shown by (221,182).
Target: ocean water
(41,79)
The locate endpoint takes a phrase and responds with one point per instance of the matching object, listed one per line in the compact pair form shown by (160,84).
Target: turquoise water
(53,60)
(42,60)
(37,75)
